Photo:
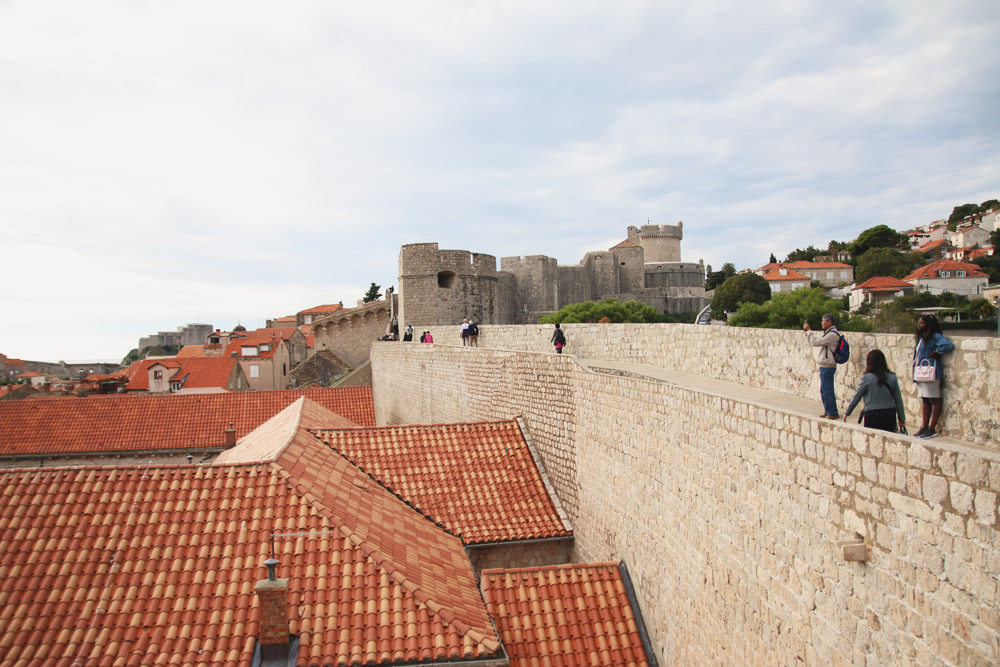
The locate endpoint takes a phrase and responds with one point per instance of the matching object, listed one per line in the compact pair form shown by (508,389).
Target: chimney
(230,434)
(272,594)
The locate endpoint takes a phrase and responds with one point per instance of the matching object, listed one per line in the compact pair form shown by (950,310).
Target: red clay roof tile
(130,423)
(933,270)
(477,479)
(564,615)
(156,565)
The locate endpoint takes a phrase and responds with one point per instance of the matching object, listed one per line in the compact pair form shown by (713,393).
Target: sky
(172,162)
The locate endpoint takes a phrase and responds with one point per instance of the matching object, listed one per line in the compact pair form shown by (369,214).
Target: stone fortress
(438,287)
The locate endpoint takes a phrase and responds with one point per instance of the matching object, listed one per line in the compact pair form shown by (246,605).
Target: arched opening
(446,279)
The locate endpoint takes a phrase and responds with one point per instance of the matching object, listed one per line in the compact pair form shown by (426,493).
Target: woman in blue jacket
(929,344)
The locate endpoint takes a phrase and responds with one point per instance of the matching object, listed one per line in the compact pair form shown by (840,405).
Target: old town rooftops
(157,565)
(138,423)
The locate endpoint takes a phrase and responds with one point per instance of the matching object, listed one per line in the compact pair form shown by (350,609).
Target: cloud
(151,152)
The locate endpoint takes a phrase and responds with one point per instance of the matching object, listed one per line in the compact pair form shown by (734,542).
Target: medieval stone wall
(349,335)
(536,280)
(448,286)
(661,243)
(730,513)
(780,360)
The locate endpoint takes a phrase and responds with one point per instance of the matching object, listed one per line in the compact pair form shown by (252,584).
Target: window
(829,275)
(248,350)
(446,279)
(264,347)
(307,319)
(960,274)
(157,375)
(254,371)
(946,274)
(284,369)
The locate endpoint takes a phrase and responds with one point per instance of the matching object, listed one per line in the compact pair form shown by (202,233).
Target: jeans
(826,390)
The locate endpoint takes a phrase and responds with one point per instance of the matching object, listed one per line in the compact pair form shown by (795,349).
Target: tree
(989,205)
(372,294)
(980,309)
(879,236)
(773,259)
(741,288)
(991,265)
(959,213)
(885,262)
(133,355)
(803,255)
(790,309)
(894,318)
(715,279)
(995,239)
(609,310)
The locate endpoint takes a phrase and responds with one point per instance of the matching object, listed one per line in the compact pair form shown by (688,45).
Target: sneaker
(922,433)
(930,434)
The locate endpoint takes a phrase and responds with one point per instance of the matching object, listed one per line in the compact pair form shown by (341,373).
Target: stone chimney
(230,436)
(272,594)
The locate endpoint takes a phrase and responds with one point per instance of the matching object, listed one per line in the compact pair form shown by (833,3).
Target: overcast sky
(172,162)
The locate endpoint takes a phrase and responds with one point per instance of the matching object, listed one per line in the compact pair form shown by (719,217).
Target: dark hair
(932,327)
(875,364)
(557,325)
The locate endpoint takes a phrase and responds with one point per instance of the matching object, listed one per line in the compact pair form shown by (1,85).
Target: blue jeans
(826,390)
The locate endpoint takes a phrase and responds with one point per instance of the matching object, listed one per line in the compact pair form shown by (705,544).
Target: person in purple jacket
(930,344)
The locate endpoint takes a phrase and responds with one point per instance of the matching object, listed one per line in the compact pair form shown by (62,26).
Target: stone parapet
(740,522)
(778,360)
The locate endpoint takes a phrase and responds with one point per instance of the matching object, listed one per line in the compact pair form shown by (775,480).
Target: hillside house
(880,289)
(949,276)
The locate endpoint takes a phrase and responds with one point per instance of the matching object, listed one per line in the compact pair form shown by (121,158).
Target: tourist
(928,348)
(825,345)
(427,337)
(880,389)
(465,332)
(558,339)
(473,334)
(408,336)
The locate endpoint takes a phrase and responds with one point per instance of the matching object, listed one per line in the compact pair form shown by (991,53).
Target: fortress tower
(660,243)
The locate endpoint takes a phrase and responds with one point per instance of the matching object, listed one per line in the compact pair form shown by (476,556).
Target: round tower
(660,243)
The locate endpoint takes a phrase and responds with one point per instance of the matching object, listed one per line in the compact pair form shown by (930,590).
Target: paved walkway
(805,407)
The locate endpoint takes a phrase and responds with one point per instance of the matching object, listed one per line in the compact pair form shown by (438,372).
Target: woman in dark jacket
(929,345)
(880,390)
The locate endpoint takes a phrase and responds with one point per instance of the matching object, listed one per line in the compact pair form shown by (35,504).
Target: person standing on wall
(465,333)
(473,334)
(825,345)
(408,336)
(929,345)
(558,339)
(880,389)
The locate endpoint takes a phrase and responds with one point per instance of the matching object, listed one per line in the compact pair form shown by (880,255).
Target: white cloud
(171,162)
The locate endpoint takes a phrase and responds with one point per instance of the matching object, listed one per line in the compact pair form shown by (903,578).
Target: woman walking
(879,388)
(929,345)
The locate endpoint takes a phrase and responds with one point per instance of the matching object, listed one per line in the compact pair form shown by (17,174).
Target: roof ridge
(380,560)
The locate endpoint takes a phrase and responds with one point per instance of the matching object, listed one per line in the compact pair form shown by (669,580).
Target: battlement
(655,231)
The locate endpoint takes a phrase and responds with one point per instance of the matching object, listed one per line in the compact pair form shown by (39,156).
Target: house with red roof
(186,375)
(936,249)
(310,315)
(267,356)
(784,279)
(828,274)
(947,275)
(879,289)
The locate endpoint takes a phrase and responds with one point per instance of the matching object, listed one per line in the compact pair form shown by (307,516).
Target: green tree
(790,309)
(715,279)
(803,254)
(991,265)
(879,236)
(894,318)
(729,269)
(980,309)
(773,259)
(960,212)
(886,262)
(372,294)
(594,311)
(989,205)
(741,288)
(995,239)
(133,355)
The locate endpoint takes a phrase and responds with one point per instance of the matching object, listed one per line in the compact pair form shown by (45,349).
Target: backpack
(560,337)
(842,352)
(473,329)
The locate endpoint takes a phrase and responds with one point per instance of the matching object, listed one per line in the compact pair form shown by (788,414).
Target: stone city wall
(731,514)
(779,360)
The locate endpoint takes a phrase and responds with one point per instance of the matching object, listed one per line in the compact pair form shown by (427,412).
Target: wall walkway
(730,510)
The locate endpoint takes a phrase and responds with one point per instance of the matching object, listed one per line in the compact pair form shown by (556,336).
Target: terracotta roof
(980,252)
(157,565)
(477,479)
(790,274)
(627,243)
(30,374)
(564,615)
(8,388)
(191,351)
(204,372)
(803,264)
(883,283)
(770,266)
(289,318)
(934,268)
(270,438)
(130,423)
(331,308)
(931,245)
(138,372)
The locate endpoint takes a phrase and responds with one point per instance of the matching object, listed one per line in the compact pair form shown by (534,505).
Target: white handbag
(924,371)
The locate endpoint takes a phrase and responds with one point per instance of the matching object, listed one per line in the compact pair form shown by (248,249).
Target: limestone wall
(778,360)
(730,513)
